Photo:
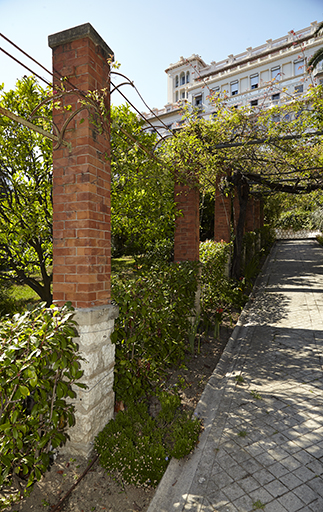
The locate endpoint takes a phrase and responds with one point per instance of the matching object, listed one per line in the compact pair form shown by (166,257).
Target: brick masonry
(81,175)
(222,218)
(187,226)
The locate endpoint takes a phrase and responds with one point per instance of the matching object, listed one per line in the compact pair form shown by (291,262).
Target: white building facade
(270,74)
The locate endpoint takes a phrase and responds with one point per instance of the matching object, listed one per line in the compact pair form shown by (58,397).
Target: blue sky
(146,36)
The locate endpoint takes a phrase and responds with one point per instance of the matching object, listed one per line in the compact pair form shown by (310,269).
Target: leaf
(24,391)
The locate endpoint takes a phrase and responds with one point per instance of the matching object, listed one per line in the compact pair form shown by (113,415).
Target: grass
(23,293)
(125,263)
(258,505)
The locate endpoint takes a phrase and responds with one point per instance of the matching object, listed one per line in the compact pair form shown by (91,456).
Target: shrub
(138,446)
(218,292)
(39,364)
(295,219)
(152,327)
(317,219)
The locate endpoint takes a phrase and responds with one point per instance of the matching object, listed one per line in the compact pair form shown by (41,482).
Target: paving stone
(291,502)
(278,469)
(237,472)
(261,495)
(304,474)
(305,493)
(233,491)
(217,500)
(276,488)
(274,506)
(243,504)
(291,481)
(304,457)
(222,479)
(263,476)
(251,465)
(291,463)
(316,484)
(248,484)
(316,506)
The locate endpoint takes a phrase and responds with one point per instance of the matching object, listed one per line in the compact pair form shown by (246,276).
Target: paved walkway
(262,447)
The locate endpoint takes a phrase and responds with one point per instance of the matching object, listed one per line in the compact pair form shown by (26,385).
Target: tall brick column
(187,226)
(81,226)
(222,218)
(250,223)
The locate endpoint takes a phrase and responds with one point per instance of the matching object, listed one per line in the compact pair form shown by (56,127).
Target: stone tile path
(262,446)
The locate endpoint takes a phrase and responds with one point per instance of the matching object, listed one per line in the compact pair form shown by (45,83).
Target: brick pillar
(81,226)
(187,225)
(250,223)
(222,218)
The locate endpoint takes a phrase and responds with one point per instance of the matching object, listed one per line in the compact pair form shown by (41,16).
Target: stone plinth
(94,405)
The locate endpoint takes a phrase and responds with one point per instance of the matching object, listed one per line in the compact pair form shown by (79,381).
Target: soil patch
(97,491)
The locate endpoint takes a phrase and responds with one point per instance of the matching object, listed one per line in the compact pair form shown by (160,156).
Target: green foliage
(7,302)
(295,220)
(39,364)
(142,193)
(317,219)
(25,191)
(138,446)
(218,292)
(160,251)
(153,323)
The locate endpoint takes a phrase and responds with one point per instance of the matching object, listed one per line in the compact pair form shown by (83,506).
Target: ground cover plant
(138,445)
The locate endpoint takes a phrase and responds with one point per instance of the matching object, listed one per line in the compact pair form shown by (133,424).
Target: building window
(187,77)
(275,97)
(176,81)
(197,101)
(182,78)
(183,95)
(299,67)
(253,103)
(298,89)
(275,73)
(254,81)
(176,96)
(234,88)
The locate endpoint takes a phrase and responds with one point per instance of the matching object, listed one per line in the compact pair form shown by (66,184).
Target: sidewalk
(262,446)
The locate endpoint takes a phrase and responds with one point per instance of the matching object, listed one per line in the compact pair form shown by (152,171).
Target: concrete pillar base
(94,406)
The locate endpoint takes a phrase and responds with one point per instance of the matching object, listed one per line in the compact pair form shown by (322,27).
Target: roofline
(184,61)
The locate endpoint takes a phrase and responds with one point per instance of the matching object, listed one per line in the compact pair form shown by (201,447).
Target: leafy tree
(25,192)
(142,190)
